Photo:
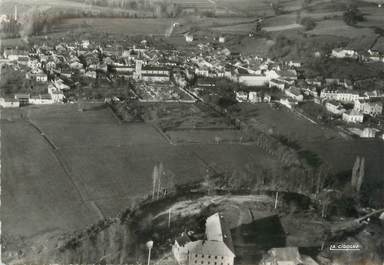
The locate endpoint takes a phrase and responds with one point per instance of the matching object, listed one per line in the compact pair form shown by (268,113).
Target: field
(331,146)
(339,28)
(379,45)
(145,26)
(374,17)
(64,169)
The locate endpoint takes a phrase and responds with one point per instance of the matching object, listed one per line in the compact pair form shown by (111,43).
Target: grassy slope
(109,163)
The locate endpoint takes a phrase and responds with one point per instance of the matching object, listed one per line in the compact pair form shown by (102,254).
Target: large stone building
(340,95)
(352,116)
(217,249)
(372,108)
(151,73)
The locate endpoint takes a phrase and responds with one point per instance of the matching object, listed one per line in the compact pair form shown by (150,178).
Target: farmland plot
(64,169)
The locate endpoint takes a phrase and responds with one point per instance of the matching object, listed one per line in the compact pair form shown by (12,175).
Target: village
(257,158)
(57,72)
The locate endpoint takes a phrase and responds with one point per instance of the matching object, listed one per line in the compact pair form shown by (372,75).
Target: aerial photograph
(192,132)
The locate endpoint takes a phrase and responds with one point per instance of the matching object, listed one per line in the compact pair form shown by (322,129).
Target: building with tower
(217,249)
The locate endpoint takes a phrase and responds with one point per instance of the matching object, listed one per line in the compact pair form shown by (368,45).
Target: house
(206,82)
(85,44)
(23,99)
(294,93)
(33,64)
(55,93)
(59,84)
(313,82)
(38,77)
(41,99)
(288,74)
(344,53)
(286,256)
(340,95)
(91,74)
(221,39)
(151,73)
(369,133)
(23,60)
(251,80)
(288,102)
(9,103)
(372,108)
(334,107)
(352,116)
(216,249)
(267,98)
(188,37)
(13,54)
(241,96)
(277,83)
(254,97)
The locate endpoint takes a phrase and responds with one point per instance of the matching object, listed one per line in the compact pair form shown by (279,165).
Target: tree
(306,3)
(277,8)
(352,15)
(308,23)
(354,172)
(361,174)
(155,177)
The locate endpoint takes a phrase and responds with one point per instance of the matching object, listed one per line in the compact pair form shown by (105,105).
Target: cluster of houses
(217,247)
(362,105)
(373,55)
(55,65)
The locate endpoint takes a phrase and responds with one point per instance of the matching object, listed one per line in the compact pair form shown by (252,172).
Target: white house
(188,37)
(288,102)
(340,95)
(216,249)
(369,133)
(151,73)
(254,97)
(85,44)
(368,107)
(241,96)
(55,93)
(334,107)
(277,83)
(59,84)
(267,98)
(34,64)
(41,100)
(38,77)
(343,53)
(251,80)
(352,116)
(9,103)
(294,93)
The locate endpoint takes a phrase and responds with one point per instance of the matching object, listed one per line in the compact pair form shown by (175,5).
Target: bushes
(352,16)
(308,23)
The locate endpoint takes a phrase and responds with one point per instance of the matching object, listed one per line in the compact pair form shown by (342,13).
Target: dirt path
(79,187)
(283,27)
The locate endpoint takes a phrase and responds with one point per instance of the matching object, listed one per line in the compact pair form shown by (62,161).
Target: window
(196,256)
(202,256)
(195,261)
(215,257)
(202,262)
